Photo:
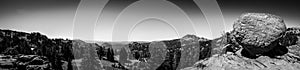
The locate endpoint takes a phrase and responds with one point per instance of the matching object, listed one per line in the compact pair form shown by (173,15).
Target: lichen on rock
(259,29)
(258,32)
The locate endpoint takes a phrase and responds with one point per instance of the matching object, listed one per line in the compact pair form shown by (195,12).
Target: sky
(53,18)
(133,20)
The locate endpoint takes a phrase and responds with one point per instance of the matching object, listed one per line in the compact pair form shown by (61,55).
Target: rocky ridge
(34,51)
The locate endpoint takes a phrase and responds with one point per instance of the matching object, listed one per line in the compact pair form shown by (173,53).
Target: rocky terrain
(16,44)
(29,62)
(244,51)
(259,41)
(157,55)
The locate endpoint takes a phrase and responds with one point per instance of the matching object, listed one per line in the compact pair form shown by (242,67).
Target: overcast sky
(152,19)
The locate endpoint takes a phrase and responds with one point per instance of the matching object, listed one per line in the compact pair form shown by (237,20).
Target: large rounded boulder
(257,31)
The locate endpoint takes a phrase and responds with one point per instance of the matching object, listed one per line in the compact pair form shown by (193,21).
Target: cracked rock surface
(234,62)
(256,31)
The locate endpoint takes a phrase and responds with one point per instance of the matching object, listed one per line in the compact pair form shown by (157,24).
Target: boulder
(257,32)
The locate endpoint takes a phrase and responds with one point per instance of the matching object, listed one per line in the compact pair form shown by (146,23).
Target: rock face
(258,32)
(230,61)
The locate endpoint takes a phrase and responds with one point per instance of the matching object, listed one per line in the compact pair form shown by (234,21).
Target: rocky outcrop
(292,41)
(106,55)
(226,51)
(24,62)
(86,56)
(259,41)
(157,55)
(191,44)
(173,55)
(140,51)
(58,51)
(281,53)
(290,37)
(231,61)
